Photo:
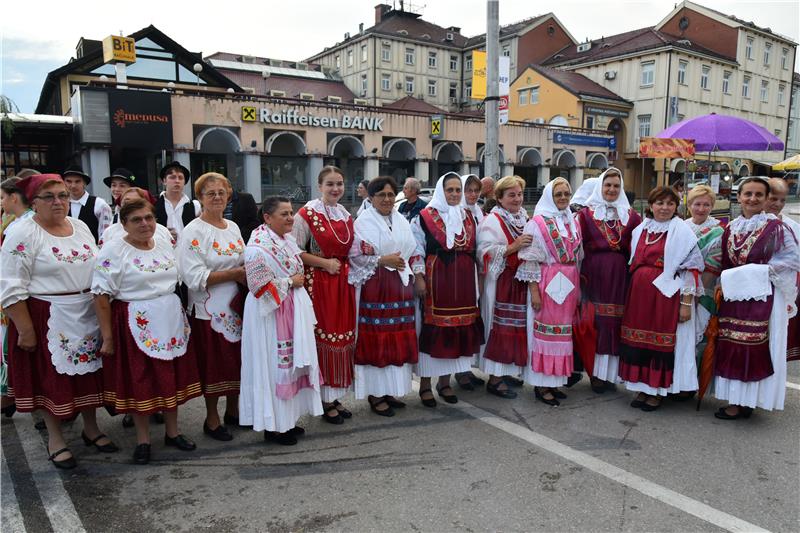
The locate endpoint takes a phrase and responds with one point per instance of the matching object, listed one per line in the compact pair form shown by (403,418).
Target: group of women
(318,304)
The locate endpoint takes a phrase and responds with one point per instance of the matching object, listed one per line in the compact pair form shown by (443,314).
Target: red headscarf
(31,185)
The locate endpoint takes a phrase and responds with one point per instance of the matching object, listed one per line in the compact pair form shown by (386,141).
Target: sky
(32,45)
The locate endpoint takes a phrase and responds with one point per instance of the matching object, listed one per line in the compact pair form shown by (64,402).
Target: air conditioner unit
(398,85)
(610,74)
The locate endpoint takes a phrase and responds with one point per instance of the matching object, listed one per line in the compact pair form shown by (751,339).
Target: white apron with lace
(159,326)
(73,334)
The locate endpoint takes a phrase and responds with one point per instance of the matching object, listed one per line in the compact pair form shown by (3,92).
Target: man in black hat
(119,181)
(173,208)
(93,211)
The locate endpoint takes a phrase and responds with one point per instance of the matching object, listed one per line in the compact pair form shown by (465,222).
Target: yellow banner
(478,75)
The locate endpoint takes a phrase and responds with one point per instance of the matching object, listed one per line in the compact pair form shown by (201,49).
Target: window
(726,82)
(409,84)
(468,63)
(534,99)
(468,90)
(453,63)
(682,72)
(431,59)
(704,77)
(764,91)
(746,87)
(386,82)
(648,73)
(785,59)
(590,122)
(386,52)
(410,56)
(349,58)
(453,90)
(431,87)
(506,51)
(748,51)
(767,50)
(363,53)
(522,97)
(778,134)
(338,61)
(781,91)
(363,84)
(644,126)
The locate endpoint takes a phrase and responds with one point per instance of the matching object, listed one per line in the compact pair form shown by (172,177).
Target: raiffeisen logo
(122,119)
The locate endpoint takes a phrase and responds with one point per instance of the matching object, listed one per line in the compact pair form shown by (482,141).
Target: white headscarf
(475,209)
(546,207)
(584,192)
(602,207)
(371,228)
(452,215)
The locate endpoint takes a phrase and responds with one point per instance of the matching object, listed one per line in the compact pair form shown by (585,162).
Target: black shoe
(385,412)
(109,447)
(284,439)
(476,381)
(512,381)
(743,412)
(394,402)
(180,442)
(637,402)
(539,396)
(40,425)
(9,410)
(558,394)
(342,411)
(649,408)
(220,433)
(464,381)
(598,385)
(230,420)
(127,421)
(684,396)
(333,419)
(502,393)
(449,398)
(429,402)
(157,418)
(574,378)
(297,431)
(141,455)
(64,464)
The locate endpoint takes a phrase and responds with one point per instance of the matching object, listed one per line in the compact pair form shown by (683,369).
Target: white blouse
(203,249)
(34,262)
(129,274)
(117,231)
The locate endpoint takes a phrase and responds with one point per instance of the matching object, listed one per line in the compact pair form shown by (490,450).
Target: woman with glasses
(381,270)
(211,264)
(53,338)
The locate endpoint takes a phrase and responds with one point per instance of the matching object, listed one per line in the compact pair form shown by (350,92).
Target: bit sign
(118,49)
(504,109)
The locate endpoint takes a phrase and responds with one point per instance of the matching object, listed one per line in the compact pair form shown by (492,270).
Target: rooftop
(578,84)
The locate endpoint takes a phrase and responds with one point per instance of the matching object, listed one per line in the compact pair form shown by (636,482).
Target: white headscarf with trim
(601,207)
(452,215)
(546,206)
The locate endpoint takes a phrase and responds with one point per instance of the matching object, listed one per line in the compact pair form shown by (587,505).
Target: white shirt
(174,219)
(129,274)
(36,262)
(101,210)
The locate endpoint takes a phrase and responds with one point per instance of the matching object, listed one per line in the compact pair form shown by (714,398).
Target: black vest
(187,214)
(87,216)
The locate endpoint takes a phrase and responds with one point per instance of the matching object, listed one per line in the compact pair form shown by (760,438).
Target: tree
(7,106)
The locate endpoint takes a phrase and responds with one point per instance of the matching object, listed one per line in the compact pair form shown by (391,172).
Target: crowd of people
(143,304)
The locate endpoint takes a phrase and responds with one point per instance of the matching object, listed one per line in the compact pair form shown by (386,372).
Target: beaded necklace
(346,226)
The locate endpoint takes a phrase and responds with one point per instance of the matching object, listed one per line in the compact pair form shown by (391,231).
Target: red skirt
(508,338)
(34,382)
(219,362)
(140,384)
(387,332)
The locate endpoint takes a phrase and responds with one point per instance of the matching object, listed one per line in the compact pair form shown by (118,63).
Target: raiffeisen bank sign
(291,117)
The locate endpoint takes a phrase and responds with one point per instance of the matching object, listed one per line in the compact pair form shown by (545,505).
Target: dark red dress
(333,298)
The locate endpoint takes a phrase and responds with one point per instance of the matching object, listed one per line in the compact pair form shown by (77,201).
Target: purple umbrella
(714,132)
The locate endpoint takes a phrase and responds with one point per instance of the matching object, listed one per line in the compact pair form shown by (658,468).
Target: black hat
(175,164)
(77,171)
(121,174)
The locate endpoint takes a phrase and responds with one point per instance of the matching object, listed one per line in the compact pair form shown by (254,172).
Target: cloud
(26,49)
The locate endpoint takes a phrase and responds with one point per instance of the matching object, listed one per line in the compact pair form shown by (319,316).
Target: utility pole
(491,163)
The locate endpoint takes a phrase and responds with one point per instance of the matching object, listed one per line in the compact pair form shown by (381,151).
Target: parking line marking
(648,488)
(11,516)
(791,385)
(57,503)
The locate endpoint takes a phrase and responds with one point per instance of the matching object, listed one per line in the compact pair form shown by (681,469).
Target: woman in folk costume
(452,329)
(760,263)
(324,232)
(471,192)
(117,231)
(211,264)
(53,337)
(149,364)
(708,231)
(657,356)
(607,223)
(280,372)
(555,292)
(505,301)
(382,260)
